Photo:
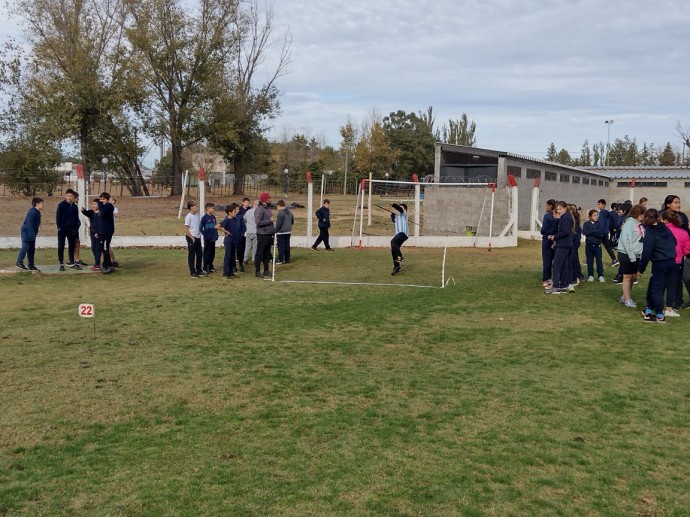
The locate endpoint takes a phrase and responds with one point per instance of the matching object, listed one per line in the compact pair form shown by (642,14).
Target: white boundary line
(334,282)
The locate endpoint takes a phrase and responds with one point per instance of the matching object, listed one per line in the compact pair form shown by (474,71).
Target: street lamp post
(104,161)
(287,180)
(608,139)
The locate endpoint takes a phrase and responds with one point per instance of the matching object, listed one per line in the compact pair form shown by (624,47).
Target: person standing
(244,208)
(672,202)
(29,232)
(207,226)
(593,236)
(106,230)
(672,221)
(284,223)
(549,225)
(401,234)
(67,221)
(607,224)
(629,252)
(250,234)
(193,238)
(264,235)
(323,216)
(563,243)
(232,228)
(94,224)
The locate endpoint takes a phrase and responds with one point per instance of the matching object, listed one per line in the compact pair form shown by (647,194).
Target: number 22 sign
(87,310)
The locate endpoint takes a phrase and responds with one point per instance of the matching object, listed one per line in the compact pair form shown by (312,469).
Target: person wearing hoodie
(629,251)
(28,232)
(563,244)
(549,225)
(673,222)
(264,235)
(593,235)
(284,223)
(672,202)
(659,247)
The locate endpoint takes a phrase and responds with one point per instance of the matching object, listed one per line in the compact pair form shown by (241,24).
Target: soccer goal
(439,214)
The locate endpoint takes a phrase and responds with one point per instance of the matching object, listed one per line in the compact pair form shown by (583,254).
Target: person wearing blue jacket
(659,247)
(207,227)
(549,225)
(563,244)
(94,227)
(68,223)
(233,229)
(606,222)
(29,232)
(107,229)
(575,266)
(594,234)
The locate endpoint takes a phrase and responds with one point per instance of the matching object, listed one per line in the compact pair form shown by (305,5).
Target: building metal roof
(644,172)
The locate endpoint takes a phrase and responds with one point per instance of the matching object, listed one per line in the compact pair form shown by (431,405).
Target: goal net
(439,214)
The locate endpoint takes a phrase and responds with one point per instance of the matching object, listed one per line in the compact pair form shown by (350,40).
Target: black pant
(194,255)
(240,249)
(662,273)
(396,244)
(209,254)
(105,247)
(323,237)
(283,247)
(71,235)
(606,242)
(264,243)
(546,259)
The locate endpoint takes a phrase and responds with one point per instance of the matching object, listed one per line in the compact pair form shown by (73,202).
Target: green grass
(252,398)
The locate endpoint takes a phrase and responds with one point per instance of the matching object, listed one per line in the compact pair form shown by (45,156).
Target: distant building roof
(643,172)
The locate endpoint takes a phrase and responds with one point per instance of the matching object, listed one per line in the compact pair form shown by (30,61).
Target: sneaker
(20,266)
(648,315)
(106,270)
(194,275)
(226,277)
(617,280)
(212,270)
(401,259)
(280,263)
(671,313)
(81,263)
(233,275)
(545,283)
(62,267)
(686,305)
(73,265)
(554,290)
(660,318)
(630,303)
(259,274)
(95,268)
(395,271)
(590,279)
(202,273)
(116,264)
(34,268)
(571,288)
(329,249)
(601,279)
(635,281)
(314,249)
(614,263)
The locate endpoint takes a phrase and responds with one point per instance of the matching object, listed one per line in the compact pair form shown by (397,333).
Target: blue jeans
(96,249)
(592,253)
(28,249)
(283,243)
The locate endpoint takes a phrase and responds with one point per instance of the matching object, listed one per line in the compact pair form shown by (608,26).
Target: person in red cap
(264,235)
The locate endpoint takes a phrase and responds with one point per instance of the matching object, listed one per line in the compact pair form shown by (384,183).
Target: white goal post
(439,214)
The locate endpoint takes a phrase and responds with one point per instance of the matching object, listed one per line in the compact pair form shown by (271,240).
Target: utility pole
(608,139)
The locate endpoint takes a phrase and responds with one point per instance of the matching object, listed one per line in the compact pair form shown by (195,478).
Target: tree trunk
(238,185)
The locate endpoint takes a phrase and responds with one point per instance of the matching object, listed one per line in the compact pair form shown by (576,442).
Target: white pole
(354,220)
(369,207)
(202,195)
(361,218)
(273,258)
(310,211)
(83,229)
(323,179)
(184,187)
(632,191)
(443,268)
(534,218)
(417,198)
(491,216)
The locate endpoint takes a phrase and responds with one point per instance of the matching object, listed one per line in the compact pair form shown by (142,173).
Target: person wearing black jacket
(563,244)
(549,225)
(29,232)
(659,247)
(94,226)
(323,215)
(67,222)
(594,234)
(107,229)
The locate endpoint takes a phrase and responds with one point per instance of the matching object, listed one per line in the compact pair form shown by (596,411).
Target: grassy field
(204,397)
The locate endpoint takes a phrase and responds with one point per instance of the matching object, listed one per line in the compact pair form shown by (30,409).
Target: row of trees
(98,74)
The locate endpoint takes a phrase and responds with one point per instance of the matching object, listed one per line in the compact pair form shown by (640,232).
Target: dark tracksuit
(576,267)
(563,244)
(68,223)
(231,243)
(243,240)
(93,234)
(284,223)
(606,222)
(323,215)
(593,235)
(207,227)
(29,231)
(402,229)
(264,237)
(106,230)
(659,247)
(549,226)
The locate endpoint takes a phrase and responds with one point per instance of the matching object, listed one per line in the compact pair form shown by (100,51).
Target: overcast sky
(528,72)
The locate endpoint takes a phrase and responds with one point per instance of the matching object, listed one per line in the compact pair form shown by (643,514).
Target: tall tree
(373,152)
(585,159)
(183,55)
(243,108)
(460,132)
(551,153)
(667,157)
(412,138)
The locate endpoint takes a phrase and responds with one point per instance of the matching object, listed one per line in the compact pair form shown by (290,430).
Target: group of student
(101,229)
(640,235)
(247,231)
